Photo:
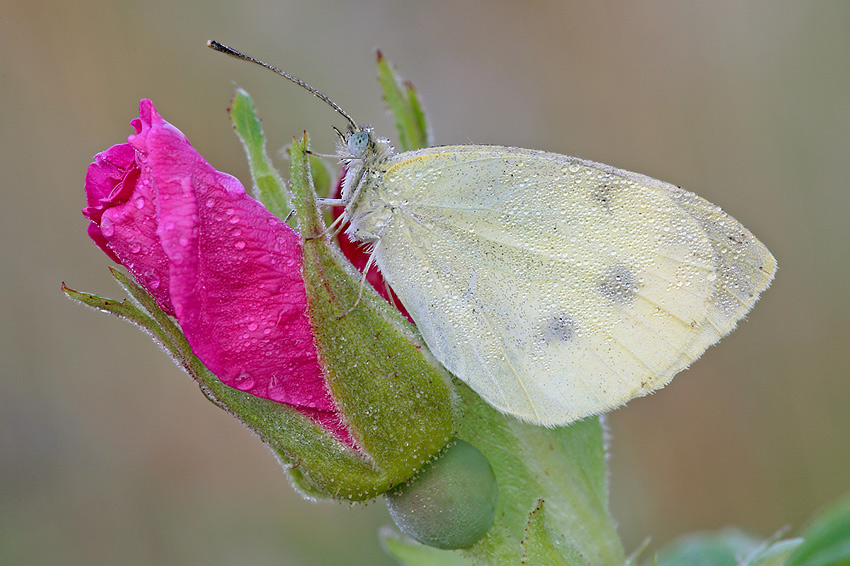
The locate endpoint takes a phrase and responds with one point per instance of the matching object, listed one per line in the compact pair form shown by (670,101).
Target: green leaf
(728,547)
(404,104)
(544,547)
(268,186)
(826,542)
(399,406)
(563,466)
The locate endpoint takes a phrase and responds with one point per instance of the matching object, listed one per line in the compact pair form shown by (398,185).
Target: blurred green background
(110,455)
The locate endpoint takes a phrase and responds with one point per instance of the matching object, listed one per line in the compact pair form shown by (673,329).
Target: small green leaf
(826,542)
(268,186)
(122,309)
(323,178)
(404,103)
(728,547)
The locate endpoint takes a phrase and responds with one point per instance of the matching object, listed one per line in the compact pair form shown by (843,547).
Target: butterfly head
(360,145)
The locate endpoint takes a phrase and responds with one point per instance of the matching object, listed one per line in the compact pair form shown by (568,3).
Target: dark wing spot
(604,195)
(739,239)
(560,327)
(618,285)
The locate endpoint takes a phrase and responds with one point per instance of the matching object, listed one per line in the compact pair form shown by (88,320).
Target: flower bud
(349,402)
(451,503)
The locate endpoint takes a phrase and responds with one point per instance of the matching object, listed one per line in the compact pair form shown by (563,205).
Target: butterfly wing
(556,287)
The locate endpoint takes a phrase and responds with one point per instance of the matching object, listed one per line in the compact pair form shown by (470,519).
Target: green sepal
(268,186)
(124,310)
(325,467)
(323,177)
(399,406)
(403,101)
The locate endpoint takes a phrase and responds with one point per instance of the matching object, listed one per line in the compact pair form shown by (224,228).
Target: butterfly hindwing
(556,287)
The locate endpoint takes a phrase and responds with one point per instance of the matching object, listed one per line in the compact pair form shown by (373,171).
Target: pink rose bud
(216,259)
(272,328)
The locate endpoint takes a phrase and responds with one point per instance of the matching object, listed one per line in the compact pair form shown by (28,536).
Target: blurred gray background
(110,455)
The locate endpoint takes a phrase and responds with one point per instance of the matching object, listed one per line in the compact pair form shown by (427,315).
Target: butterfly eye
(358,143)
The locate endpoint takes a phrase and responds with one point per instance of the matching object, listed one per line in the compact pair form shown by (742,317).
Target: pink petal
(122,207)
(235,272)
(215,258)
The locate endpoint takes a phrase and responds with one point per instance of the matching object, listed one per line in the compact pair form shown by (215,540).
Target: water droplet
(135,247)
(183,241)
(244,381)
(139,202)
(240,245)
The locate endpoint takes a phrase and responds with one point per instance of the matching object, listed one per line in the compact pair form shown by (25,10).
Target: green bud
(451,503)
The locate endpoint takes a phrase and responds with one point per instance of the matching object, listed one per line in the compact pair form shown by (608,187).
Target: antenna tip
(213,44)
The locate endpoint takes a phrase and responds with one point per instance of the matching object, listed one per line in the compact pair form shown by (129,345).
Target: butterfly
(555,287)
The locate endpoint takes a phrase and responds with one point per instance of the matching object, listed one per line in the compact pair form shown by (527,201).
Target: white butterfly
(555,287)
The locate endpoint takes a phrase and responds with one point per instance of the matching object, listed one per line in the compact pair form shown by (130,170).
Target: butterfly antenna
(318,94)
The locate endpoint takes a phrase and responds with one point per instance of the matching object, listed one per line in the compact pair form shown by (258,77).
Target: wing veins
(501,341)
